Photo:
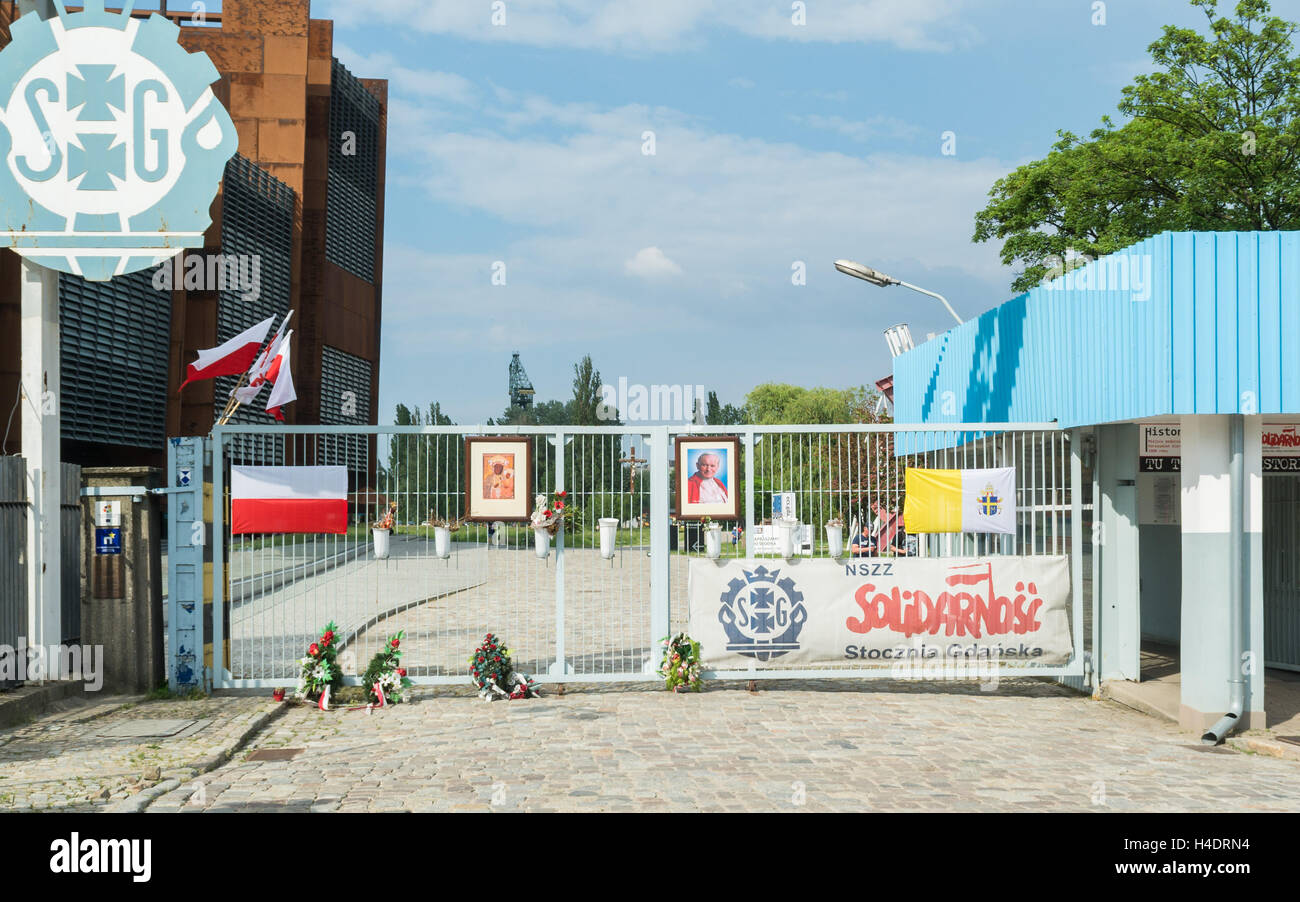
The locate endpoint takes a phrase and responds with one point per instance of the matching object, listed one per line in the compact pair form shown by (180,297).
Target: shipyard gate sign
(111,141)
(888,612)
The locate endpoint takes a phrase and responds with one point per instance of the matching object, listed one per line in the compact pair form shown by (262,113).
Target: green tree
(718,415)
(835,473)
(1210,143)
(586,393)
(423,473)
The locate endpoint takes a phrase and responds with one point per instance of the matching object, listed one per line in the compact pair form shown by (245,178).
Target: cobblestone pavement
(844,746)
(71,759)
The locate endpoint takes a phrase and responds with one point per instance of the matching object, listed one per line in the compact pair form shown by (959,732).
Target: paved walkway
(844,746)
(93,753)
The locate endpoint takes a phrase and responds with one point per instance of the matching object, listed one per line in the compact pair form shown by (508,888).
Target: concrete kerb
(1264,745)
(141,800)
(19,706)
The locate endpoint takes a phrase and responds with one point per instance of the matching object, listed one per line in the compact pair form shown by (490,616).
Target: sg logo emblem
(112,143)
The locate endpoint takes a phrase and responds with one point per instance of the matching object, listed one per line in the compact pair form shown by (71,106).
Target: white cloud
(669,25)
(862,129)
(651,263)
(416,83)
(740,82)
(570,187)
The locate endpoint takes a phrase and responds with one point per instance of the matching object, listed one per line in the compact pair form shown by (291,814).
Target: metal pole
(41,433)
(660,567)
(933,294)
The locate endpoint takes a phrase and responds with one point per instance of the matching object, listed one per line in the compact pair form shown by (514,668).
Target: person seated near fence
(890,537)
(863,541)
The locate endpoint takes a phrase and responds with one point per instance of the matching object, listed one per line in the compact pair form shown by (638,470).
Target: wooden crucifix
(633,462)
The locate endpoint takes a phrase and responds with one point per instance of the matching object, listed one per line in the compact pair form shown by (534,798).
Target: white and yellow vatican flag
(960,500)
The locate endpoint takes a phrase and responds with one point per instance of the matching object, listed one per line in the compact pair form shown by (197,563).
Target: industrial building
(302,198)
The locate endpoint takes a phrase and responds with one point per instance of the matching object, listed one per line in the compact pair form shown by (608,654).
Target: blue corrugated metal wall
(1181,323)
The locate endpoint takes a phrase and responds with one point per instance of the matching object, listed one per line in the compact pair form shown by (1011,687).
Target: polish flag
(281,374)
(288,500)
(247,394)
(231,358)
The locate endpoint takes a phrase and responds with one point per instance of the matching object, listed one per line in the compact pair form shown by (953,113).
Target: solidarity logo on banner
(762,615)
(111,140)
(880,611)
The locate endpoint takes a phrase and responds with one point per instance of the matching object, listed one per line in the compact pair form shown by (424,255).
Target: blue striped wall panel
(1181,323)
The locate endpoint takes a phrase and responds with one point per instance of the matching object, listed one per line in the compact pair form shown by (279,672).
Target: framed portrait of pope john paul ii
(498,477)
(707,476)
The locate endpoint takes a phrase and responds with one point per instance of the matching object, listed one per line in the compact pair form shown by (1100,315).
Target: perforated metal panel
(113,347)
(256,220)
(350,219)
(344,401)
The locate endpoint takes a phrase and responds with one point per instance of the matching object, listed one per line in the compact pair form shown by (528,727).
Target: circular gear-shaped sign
(112,141)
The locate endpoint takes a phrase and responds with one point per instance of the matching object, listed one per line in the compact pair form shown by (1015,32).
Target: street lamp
(880,280)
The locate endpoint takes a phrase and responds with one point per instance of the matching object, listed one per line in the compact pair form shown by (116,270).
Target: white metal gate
(575,617)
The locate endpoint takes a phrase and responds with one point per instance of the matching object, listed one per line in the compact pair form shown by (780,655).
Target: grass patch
(164,693)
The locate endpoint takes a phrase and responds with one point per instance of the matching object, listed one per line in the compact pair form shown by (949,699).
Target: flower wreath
(493,672)
(385,672)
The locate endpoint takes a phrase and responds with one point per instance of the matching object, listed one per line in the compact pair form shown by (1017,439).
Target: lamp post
(880,280)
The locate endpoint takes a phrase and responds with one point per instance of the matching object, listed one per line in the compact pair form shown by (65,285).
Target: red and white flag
(230,358)
(288,500)
(247,394)
(280,373)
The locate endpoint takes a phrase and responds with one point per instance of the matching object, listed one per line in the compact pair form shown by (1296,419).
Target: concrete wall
(1206,658)
(1117,547)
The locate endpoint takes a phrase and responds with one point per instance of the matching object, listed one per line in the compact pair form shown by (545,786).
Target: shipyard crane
(521,390)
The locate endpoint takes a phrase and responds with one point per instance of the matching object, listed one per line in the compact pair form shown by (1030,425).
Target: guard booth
(1174,362)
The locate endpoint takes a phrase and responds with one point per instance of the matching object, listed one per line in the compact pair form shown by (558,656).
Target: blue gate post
(187,542)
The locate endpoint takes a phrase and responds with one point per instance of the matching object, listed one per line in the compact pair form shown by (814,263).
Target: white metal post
(560,666)
(40,387)
(751,442)
(660,573)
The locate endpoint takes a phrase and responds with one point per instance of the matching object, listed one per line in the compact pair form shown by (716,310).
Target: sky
(645,181)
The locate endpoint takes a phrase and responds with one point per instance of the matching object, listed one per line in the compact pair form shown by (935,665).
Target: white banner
(878,611)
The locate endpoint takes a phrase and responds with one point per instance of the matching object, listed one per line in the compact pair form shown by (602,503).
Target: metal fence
(13,551)
(70,524)
(574,616)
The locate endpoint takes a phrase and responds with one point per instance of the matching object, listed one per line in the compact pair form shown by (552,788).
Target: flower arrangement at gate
(388,519)
(452,524)
(681,665)
(385,670)
(493,672)
(549,515)
(320,668)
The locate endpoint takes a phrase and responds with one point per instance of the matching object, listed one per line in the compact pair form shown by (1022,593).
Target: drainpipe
(1237,595)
